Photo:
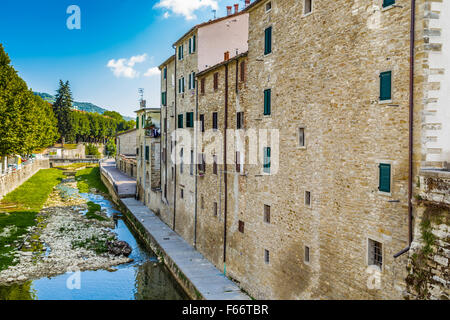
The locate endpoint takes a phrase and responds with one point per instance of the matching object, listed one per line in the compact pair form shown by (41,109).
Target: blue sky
(113,54)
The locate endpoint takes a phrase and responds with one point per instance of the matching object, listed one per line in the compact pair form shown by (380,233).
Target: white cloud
(124,67)
(152,72)
(166,15)
(186,8)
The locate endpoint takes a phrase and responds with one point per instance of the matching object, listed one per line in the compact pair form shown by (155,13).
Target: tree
(20,132)
(111,148)
(62,109)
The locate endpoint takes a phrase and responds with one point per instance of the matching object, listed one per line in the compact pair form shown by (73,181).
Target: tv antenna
(214,11)
(141,94)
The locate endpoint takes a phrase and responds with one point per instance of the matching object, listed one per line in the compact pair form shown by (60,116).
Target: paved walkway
(124,185)
(205,277)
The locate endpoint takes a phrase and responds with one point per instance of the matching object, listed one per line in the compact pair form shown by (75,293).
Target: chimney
(229,10)
(247,3)
(236,8)
(226,56)
(143,104)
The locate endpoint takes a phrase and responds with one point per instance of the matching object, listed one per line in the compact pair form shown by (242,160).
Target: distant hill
(82,106)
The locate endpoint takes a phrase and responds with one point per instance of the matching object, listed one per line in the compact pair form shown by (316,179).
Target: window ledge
(384,101)
(389,7)
(301,148)
(382,193)
(304,15)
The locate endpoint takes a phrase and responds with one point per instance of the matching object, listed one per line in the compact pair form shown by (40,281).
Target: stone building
(201,47)
(148,124)
(340,109)
(126,152)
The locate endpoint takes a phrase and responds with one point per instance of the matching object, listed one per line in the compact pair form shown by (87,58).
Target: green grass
(70,146)
(90,178)
(92,209)
(19,208)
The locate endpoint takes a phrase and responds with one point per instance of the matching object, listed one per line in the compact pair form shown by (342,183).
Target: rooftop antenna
(214,11)
(141,94)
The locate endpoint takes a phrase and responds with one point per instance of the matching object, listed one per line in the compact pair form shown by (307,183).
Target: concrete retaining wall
(12,180)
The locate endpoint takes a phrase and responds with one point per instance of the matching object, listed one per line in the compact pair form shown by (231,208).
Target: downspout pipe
(195,162)
(411,128)
(225,172)
(174,144)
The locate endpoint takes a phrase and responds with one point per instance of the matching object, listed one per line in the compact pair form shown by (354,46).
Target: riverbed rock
(119,248)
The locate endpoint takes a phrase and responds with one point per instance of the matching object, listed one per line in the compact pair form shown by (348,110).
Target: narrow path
(204,276)
(125,185)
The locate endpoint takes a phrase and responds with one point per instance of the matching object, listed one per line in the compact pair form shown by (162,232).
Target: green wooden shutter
(180,121)
(165,73)
(387,3)
(189,119)
(194,45)
(267,160)
(385,85)
(137,122)
(190,45)
(268,40)
(267,102)
(147,153)
(385,177)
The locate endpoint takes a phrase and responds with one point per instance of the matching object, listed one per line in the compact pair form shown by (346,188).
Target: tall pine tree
(61,108)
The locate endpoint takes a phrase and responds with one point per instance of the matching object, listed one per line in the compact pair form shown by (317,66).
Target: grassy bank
(19,208)
(90,178)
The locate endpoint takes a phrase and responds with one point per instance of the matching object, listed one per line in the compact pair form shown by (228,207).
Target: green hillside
(82,106)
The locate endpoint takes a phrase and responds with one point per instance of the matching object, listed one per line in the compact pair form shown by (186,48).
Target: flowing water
(143,279)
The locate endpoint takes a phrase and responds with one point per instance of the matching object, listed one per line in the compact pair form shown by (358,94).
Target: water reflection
(143,279)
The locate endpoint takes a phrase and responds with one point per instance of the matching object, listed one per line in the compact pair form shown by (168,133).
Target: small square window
(268,6)
(266,256)
(375,253)
(241,226)
(308,198)
(306,254)
(266,213)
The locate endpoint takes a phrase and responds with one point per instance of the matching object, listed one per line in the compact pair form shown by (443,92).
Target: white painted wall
(440,139)
(217,38)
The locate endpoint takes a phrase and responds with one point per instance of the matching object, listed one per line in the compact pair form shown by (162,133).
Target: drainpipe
(411,127)
(165,137)
(225,173)
(195,162)
(174,144)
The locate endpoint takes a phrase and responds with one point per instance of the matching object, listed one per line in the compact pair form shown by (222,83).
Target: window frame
(268,45)
(267,95)
(309,197)
(390,164)
(301,128)
(368,252)
(384,101)
(267,213)
(304,13)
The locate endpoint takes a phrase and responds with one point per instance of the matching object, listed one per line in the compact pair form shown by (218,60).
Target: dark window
(180,121)
(137,122)
(386,85)
(240,120)
(202,203)
(241,226)
(201,163)
(191,168)
(182,193)
(137,151)
(267,102)
(202,122)
(308,6)
(181,160)
(375,253)
(164,98)
(147,153)
(301,137)
(266,256)
(268,40)
(202,86)
(385,178)
(266,213)
(307,254)
(308,198)
(387,3)
(243,71)
(267,160)
(214,164)
(268,6)
(165,73)
(189,119)
(215,208)
(216,81)
(214,120)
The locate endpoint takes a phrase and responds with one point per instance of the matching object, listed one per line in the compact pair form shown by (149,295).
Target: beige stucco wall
(215,39)
(126,143)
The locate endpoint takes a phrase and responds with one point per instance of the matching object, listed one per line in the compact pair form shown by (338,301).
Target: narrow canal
(145,278)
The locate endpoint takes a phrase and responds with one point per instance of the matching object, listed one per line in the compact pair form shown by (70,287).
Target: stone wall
(12,180)
(428,264)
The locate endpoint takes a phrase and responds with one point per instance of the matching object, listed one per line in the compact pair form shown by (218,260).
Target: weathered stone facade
(332,234)
(428,265)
